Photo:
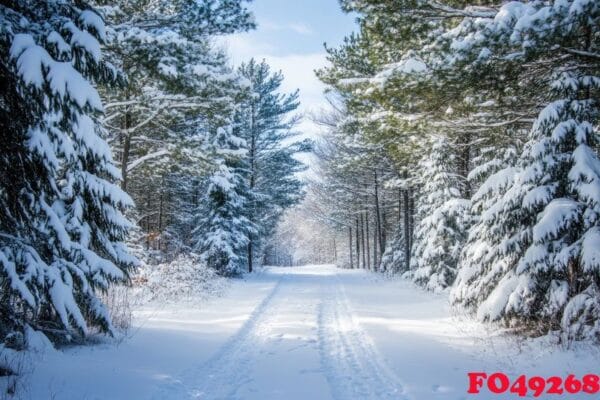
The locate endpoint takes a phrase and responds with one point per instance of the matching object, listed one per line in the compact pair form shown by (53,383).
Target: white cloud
(242,47)
(297,27)
(301,29)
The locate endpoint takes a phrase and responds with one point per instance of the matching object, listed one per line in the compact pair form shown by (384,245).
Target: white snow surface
(313,332)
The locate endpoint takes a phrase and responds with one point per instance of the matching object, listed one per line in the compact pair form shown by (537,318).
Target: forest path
(313,332)
(301,342)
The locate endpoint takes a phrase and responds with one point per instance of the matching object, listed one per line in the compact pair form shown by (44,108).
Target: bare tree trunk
(367,245)
(125,154)
(357,245)
(148,227)
(399,205)
(362,241)
(350,246)
(411,199)
(160,210)
(406,230)
(252,155)
(466,162)
(250,255)
(334,251)
(381,238)
(375,265)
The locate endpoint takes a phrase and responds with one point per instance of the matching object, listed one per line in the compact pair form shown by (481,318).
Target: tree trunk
(160,211)
(357,245)
(411,202)
(350,246)
(126,149)
(378,216)
(400,205)
(250,255)
(406,230)
(375,265)
(334,251)
(367,245)
(362,241)
(252,156)
(466,161)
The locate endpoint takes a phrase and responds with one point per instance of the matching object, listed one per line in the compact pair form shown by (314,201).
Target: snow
(90,19)
(407,66)
(297,333)
(558,216)
(64,80)
(590,250)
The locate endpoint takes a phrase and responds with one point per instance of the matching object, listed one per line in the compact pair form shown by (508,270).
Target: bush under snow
(186,278)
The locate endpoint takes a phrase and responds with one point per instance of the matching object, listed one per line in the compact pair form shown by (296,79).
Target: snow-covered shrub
(119,304)
(186,278)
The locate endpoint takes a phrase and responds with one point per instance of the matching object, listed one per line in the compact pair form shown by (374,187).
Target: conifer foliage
(223,228)
(443,219)
(62,228)
(499,100)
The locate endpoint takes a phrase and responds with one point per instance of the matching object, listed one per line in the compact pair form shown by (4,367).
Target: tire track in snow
(353,367)
(225,372)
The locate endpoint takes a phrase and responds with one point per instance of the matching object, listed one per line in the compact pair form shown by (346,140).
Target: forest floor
(313,332)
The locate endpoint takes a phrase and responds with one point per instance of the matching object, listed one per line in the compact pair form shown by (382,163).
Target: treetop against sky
(290,37)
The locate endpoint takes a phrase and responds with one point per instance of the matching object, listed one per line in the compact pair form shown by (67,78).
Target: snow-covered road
(313,332)
(301,342)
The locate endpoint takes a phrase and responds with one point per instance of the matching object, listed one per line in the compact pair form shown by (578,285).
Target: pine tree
(178,84)
(223,229)
(539,262)
(443,219)
(61,224)
(266,124)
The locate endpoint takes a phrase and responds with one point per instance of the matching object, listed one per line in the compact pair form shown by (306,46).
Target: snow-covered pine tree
(61,222)
(265,122)
(542,267)
(393,259)
(178,83)
(442,218)
(162,47)
(223,229)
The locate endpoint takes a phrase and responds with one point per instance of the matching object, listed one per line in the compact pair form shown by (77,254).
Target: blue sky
(290,36)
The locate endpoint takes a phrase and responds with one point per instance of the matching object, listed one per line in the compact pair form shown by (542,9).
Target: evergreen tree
(541,264)
(443,219)
(178,84)
(266,124)
(61,222)
(223,229)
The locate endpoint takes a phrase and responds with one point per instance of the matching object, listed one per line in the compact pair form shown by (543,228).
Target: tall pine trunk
(362,241)
(357,244)
(126,148)
(252,156)
(350,246)
(367,245)
(375,266)
(406,229)
(380,238)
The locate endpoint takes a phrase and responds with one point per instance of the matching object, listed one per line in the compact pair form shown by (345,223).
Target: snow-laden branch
(582,53)
(144,122)
(136,163)
(473,12)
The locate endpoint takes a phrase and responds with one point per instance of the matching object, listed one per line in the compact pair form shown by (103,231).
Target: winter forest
(177,223)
